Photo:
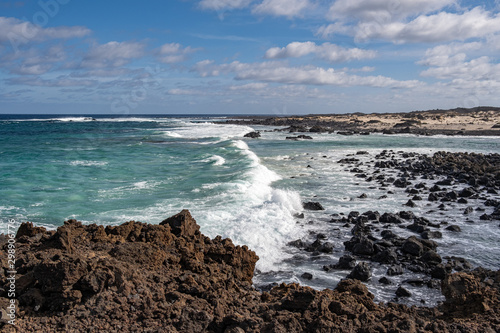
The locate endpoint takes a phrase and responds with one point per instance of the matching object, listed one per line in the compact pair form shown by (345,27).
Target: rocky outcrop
(171,278)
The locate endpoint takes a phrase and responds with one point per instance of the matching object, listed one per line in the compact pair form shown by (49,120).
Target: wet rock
(454,228)
(466,192)
(360,245)
(431,234)
(252,135)
(384,280)
(439,272)
(431,257)
(403,292)
(307,276)
(346,262)
(390,218)
(298,243)
(395,270)
(468,210)
(412,246)
(361,272)
(410,203)
(312,206)
(387,256)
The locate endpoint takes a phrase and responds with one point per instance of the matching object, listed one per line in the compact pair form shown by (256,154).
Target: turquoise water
(147,168)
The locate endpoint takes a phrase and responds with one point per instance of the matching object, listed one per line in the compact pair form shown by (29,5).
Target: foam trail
(264,219)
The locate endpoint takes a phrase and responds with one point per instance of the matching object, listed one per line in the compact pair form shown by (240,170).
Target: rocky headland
(460,121)
(139,277)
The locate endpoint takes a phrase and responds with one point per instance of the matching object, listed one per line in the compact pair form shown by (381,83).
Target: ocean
(108,170)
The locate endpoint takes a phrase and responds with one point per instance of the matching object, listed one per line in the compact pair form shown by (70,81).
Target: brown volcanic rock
(171,278)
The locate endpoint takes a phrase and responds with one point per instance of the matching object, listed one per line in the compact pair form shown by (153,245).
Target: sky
(274,57)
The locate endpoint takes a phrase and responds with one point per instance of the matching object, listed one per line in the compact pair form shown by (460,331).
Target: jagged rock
(403,292)
(346,262)
(412,246)
(138,277)
(252,135)
(312,206)
(466,294)
(361,272)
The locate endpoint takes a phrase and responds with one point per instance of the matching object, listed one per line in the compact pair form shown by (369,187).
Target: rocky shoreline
(484,121)
(171,278)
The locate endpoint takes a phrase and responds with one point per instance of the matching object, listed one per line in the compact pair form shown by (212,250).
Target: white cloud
(224,4)
(173,52)
(112,54)
(434,28)
(279,72)
(288,8)
(326,51)
(383,10)
(452,62)
(478,69)
(376,20)
(18,32)
(443,55)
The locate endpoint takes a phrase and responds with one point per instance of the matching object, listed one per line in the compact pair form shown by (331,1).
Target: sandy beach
(475,121)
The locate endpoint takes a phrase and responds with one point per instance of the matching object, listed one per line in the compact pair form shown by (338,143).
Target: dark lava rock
(412,246)
(390,218)
(307,276)
(468,210)
(297,243)
(139,277)
(360,245)
(346,262)
(385,280)
(312,206)
(395,270)
(439,272)
(387,234)
(454,228)
(466,192)
(361,272)
(403,292)
(431,257)
(410,203)
(431,234)
(252,135)
(387,256)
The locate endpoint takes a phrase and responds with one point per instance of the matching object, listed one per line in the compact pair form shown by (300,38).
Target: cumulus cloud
(288,8)
(383,10)
(18,32)
(279,72)
(443,55)
(454,62)
(399,25)
(112,54)
(434,28)
(327,51)
(173,52)
(224,4)
(478,69)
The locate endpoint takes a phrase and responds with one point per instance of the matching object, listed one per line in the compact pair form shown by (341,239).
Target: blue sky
(277,57)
